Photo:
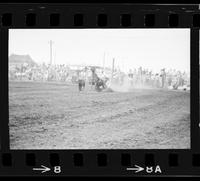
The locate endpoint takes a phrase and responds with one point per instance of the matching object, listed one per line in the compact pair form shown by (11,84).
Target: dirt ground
(57,116)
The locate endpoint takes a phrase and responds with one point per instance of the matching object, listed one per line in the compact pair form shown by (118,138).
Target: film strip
(16,159)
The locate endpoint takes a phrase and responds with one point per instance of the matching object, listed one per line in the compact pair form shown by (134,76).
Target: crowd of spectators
(172,78)
(136,77)
(41,72)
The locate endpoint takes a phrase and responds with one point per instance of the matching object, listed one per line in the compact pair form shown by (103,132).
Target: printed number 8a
(57,169)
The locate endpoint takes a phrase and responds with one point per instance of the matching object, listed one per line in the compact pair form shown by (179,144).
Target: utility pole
(54,58)
(104,55)
(113,66)
(51,47)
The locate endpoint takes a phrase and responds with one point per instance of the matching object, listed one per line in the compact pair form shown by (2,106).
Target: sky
(150,48)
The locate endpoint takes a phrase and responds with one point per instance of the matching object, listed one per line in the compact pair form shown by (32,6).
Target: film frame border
(100,162)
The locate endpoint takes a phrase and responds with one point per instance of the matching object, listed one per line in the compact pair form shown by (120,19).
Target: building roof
(20,59)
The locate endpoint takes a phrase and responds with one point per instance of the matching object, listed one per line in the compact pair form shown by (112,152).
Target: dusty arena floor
(57,116)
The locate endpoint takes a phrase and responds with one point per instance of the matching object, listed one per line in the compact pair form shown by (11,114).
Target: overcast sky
(150,48)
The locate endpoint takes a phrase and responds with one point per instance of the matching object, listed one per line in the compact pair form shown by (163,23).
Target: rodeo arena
(66,106)
(100,77)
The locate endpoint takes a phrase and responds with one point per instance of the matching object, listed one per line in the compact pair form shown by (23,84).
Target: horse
(100,85)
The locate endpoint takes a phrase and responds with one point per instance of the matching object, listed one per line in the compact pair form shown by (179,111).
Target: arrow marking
(43,169)
(136,169)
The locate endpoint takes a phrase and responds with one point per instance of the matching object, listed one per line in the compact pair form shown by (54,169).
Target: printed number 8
(57,169)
